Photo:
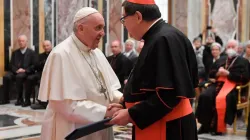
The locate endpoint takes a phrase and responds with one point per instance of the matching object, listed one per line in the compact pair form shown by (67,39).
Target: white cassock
(71,82)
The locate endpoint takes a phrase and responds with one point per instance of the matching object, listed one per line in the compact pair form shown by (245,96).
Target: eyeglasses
(123,19)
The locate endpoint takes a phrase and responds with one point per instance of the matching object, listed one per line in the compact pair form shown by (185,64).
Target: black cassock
(206,112)
(122,66)
(167,63)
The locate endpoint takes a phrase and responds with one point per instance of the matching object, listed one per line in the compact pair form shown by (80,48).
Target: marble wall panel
(115,26)
(224,19)
(104,13)
(194,18)
(35,25)
(48,19)
(7,33)
(54,22)
(66,12)
(163,6)
(1,40)
(21,21)
(181,15)
(94,4)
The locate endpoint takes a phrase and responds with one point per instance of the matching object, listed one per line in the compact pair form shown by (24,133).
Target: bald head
(47,46)
(22,41)
(116,47)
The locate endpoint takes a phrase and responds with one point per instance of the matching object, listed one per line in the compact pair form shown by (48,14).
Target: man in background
(34,79)
(120,63)
(22,64)
(130,50)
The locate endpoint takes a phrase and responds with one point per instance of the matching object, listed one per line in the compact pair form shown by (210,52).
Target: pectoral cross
(102,90)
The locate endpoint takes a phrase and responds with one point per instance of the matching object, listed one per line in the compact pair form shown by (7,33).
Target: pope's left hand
(121,117)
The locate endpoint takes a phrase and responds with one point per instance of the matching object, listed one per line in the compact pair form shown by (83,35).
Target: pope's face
(94,30)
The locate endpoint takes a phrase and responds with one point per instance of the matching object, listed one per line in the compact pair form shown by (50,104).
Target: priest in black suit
(22,64)
(33,79)
(120,63)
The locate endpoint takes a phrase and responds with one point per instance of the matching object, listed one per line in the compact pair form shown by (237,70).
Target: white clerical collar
(216,58)
(23,50)
(79,44)
(128,53)
(247,57)
(154,23)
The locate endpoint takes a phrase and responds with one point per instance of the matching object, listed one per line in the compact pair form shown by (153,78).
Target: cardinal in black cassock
(158,90)
(235,69)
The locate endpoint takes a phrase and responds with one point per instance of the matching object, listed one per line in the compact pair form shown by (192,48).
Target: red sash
(227,87)
(157,131)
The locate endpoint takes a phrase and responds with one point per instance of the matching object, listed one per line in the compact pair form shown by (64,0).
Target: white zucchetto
(84,12)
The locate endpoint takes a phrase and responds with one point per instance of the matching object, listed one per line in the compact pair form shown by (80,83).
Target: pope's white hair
(81,21)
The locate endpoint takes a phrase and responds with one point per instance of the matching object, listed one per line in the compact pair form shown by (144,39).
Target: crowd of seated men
(223,69)
(25,71)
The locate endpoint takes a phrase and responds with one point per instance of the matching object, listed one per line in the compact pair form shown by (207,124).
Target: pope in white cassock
(78,81)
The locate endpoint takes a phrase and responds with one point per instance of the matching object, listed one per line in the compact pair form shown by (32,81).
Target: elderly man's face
(115,47)
(240,49)
(232,45)
(215,51)
(22,42)
(248,50)
(232,49)
(128,46)
(93,30)
(197,43)
(47,46)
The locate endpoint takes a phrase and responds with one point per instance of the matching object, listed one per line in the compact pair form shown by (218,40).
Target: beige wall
(1,39)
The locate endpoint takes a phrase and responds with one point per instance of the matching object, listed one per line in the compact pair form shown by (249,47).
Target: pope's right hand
(111,110)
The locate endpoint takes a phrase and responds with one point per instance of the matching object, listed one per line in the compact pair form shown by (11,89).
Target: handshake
(119,115)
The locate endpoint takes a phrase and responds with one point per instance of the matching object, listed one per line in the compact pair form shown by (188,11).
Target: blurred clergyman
(120,63)
(32,80)
(22,64)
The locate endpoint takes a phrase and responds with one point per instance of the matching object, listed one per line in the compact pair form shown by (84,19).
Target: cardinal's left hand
(121,117)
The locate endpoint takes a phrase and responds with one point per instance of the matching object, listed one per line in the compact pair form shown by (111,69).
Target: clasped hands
(222,72)
(119,115)
(20,70)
